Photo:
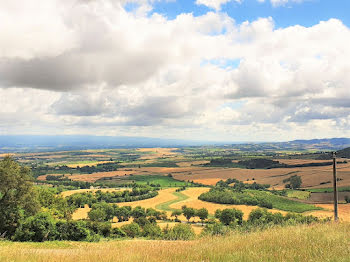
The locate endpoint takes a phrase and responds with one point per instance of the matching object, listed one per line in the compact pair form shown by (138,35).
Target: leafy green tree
(54,204)
(138,212)
(38,228)
(72,230)
(231,215)
(175,214)
(295,182)
(188,212)
(131,230)
(123,213)
(152,231)
(202,214)
(18,199)
(97,215)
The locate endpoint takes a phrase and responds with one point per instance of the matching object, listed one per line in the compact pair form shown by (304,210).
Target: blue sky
(306,13)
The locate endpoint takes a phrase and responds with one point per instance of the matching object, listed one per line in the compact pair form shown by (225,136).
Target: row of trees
(105,212)
(231,220)
(89,198)
(239,185)
(190,212)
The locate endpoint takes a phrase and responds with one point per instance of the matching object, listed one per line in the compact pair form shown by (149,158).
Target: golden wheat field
(194,202)
(329,242)
(311,176)
(343,211)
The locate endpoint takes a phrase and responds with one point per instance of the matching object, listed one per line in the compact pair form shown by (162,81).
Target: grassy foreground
(327,242)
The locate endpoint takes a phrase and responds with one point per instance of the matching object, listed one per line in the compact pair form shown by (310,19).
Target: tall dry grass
(326,242)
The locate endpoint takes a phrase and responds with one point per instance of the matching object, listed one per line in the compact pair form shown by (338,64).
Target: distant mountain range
(25,143)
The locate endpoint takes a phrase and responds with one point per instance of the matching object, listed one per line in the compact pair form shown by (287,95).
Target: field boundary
(166,205)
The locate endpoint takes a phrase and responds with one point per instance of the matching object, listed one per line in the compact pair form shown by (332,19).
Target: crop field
(328,211)
(298,194)
(160,180)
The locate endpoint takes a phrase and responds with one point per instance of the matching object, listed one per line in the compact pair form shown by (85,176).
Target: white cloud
(215,4)
(91,67)
(283,2)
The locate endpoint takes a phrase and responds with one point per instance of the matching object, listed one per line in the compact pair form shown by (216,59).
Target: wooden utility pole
(335,186)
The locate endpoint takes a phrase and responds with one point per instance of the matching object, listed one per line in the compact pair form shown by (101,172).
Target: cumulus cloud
(215,4)
(93,67)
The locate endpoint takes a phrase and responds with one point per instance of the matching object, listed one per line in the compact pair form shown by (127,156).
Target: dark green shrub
(347,199)
(179,232)
(142,221)
(262,216)
(117,233)
(132,230)
(101,228)
(72,230)
(231,215)
(215,229)
(38,228)
(152,231)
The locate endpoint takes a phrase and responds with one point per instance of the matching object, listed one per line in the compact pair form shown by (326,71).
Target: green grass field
(326,242)
(163,181)
(303,195)
(284,204)
(166,205)
(329,189)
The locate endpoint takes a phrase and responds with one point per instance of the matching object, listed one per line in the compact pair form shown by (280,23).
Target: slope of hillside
(344,153)
(329,242)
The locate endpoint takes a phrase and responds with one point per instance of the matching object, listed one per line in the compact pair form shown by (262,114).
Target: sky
(216,70)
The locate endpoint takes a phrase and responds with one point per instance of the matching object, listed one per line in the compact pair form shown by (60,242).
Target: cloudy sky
(231,70)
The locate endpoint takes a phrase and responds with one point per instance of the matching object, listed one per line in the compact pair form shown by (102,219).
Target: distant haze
(26,143)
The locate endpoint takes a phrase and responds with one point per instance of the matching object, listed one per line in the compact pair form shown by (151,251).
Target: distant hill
(26,143)
(344,153)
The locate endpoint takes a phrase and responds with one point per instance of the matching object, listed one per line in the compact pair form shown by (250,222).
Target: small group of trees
(190,212)
(239,185)
(232,219)
(105,212)
(90,198)
(234,197)
(294,182)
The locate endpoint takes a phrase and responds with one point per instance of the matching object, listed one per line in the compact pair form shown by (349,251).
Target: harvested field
(343,211)
(327,197)
(194,202)
(96,176)
(43,177)
(157,152)
(312,177)
(81,213)
(72,192)
(163,196)
(301,161)
(189,164)
(75,165)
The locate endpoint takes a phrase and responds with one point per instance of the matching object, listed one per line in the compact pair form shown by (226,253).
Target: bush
(132,230)
(38,228)
(117,233)
(262,216)
(152,231)
(104,229)
(179,232)
(230,215)
(72,230)
(347,199)
(215,229)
